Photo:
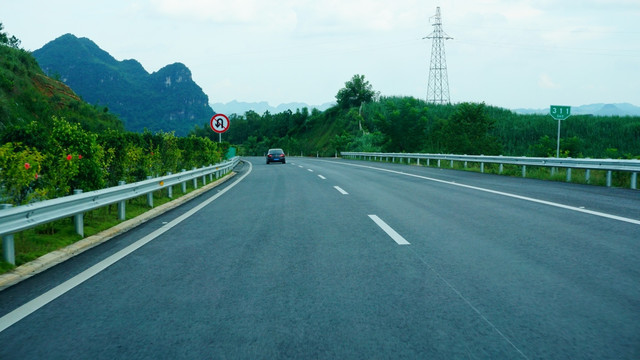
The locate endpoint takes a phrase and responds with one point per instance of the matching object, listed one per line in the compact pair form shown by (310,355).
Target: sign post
(559,112)
(219,123)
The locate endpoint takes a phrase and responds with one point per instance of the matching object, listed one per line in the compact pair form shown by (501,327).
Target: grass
(33,243)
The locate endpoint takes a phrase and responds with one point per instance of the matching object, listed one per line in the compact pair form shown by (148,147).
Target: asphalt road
(335,259)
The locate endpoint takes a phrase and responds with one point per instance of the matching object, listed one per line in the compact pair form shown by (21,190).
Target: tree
(355,92)
(404,124)
(13,41)
(468,131)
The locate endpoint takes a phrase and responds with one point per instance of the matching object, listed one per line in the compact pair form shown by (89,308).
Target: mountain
(619,109)
(239,108)
(167,100)
(28,95)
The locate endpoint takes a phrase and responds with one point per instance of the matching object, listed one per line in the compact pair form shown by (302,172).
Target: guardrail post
(451,164)
(501,168)
(210,174)
(121,206)
(609,178)
(8,246)
(438,162)
(184,184)
(149,196)
(465,164)
(524,170)
(428,161)
(170,188)
(568,174)
(195,181)
(482,167)
(78,219)
(587,176)
(634,180)
(418,161)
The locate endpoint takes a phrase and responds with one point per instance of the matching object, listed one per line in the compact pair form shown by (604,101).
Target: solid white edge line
(30,307)
(340,190)
(392,233)
(525,198)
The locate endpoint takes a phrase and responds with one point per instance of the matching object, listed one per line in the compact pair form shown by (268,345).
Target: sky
(507,53)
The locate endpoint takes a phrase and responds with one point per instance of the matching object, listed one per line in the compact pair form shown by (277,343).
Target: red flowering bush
(19,168)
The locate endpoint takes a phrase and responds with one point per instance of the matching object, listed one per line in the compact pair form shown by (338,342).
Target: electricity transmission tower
(438,86)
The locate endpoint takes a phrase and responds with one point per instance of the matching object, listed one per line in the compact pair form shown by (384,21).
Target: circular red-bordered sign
(219,123)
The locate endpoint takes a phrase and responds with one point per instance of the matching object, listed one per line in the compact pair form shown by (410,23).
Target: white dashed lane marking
(341,191)
(392,233)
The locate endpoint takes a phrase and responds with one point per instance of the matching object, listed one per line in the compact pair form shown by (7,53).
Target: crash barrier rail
(16,219)
(608,165)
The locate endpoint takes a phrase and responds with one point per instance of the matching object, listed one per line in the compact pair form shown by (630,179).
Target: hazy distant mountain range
(620,109)
(239,108)
(167,100)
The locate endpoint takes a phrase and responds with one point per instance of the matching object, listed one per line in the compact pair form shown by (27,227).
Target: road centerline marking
(322,177)
(389,230)
(341,190)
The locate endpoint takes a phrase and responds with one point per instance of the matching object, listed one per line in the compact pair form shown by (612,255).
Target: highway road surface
(336,259)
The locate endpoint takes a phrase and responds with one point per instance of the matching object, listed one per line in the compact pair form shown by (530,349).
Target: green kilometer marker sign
(560,112)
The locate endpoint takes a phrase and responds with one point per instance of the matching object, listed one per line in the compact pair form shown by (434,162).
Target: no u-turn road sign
(219,123)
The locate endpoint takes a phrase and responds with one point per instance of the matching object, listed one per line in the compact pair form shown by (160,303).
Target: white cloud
(277,14)
(546,82)
(309,16)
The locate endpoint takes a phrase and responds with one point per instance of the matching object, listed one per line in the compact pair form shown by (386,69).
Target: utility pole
(438,85)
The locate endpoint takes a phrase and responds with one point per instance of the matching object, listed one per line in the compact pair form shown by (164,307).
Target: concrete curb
(51,259)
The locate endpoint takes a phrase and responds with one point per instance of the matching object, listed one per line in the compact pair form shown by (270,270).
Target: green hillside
(52,142)
(167,100)
(27,94)
(406,124)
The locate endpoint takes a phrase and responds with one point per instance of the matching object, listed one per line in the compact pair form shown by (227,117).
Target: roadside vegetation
(52,143)
(406,124)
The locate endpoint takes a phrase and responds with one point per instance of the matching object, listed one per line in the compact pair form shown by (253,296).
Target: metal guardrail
(16,219)
(609,165)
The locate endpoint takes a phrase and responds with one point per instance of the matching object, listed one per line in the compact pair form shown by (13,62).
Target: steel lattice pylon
(438,85)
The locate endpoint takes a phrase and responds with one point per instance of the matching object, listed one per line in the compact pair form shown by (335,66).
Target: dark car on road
(275,155)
